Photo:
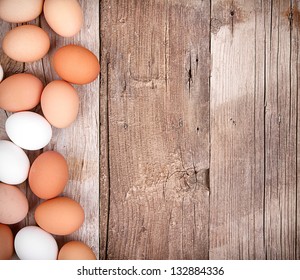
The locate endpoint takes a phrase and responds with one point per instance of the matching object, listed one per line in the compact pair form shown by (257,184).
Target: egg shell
(33,243)
(76,250)
(1,73)
(20,92)
(13,204)
(60,215)
(18,11)
(76,64)
(28,130)
(14,163)
(60,104)
(26,43)
(64,17)
(48,175)
(6,242)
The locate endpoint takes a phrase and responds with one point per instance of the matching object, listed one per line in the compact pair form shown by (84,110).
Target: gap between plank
(209,129)
(108,160)
(99,129)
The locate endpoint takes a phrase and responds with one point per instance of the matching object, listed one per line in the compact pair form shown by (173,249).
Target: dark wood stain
(292,14)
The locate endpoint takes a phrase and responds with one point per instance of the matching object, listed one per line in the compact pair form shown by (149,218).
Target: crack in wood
(108,159)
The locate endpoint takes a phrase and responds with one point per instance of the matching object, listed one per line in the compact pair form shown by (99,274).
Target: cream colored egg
(60,103)
(64,17)
(18,11)
(26,43)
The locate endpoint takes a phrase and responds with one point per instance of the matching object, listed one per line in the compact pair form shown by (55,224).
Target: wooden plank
(104,206)
(280,132)
(254,108)
(295,85)
(237,130)
(79,143)
(10,67)
(155,201)
(155,57)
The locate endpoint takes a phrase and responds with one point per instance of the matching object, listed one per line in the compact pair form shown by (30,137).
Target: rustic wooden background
(199,129)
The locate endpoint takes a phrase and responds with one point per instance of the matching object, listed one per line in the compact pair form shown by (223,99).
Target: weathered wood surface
(237,131)
(79,143)
(199,129)
(155,83)
(254,133)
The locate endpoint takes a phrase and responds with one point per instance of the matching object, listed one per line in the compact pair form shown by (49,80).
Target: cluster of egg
(27,130)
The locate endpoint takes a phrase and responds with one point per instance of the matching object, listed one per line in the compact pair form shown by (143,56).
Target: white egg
(33,243)
(14,163)
(1,73)
(28,130)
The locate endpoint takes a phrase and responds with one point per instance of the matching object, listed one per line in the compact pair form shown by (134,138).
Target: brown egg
(6,242)
(76,64)
(76,250)
(64,17)
(13,204)
(18,11)
(60,103)
(59,216)
(26,43)
(48,175)
(20,92)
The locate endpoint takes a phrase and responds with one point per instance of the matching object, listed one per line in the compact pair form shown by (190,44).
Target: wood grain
(295,85)
(281,134)
(198,152)
(155,57)
(237,131)
(79,143)
(254,154)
